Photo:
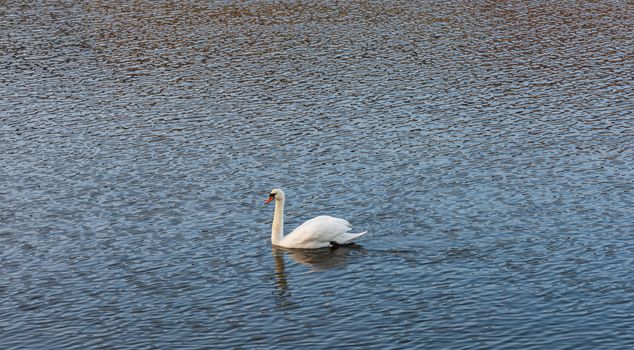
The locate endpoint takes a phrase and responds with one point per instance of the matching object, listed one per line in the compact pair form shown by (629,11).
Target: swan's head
(276,194)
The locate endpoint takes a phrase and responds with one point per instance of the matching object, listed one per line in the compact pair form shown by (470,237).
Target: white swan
(319,232)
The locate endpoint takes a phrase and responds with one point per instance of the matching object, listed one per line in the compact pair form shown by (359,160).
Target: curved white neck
(277,231)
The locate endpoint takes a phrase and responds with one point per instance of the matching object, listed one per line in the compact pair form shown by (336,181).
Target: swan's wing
(322,228)
(319,232)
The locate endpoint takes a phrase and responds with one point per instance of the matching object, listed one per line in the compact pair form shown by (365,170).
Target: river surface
(486,146)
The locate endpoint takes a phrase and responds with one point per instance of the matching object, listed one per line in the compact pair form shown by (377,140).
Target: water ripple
(485,146)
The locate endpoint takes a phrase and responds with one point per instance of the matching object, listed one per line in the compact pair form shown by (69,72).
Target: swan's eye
(272,195)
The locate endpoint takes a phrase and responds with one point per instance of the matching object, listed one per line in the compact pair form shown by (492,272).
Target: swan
(318,232)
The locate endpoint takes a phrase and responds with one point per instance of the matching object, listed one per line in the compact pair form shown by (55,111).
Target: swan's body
(319,232)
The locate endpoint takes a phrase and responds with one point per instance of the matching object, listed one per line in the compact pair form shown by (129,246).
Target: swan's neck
(277,231)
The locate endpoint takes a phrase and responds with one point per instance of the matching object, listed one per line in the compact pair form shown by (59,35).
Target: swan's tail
(349,237)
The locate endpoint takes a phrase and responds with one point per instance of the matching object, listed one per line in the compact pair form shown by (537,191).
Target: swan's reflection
(316,259)
(280,275)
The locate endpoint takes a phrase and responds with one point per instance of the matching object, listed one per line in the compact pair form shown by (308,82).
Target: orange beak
(270,199)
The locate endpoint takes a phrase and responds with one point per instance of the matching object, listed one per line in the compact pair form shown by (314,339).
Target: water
(485,146)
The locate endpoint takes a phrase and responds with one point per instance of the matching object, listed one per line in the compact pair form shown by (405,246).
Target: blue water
(486,147)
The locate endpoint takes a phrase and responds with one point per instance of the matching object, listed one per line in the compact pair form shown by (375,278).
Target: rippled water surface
(487,147)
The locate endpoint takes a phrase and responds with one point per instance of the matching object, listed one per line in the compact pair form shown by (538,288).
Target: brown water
(487,147)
